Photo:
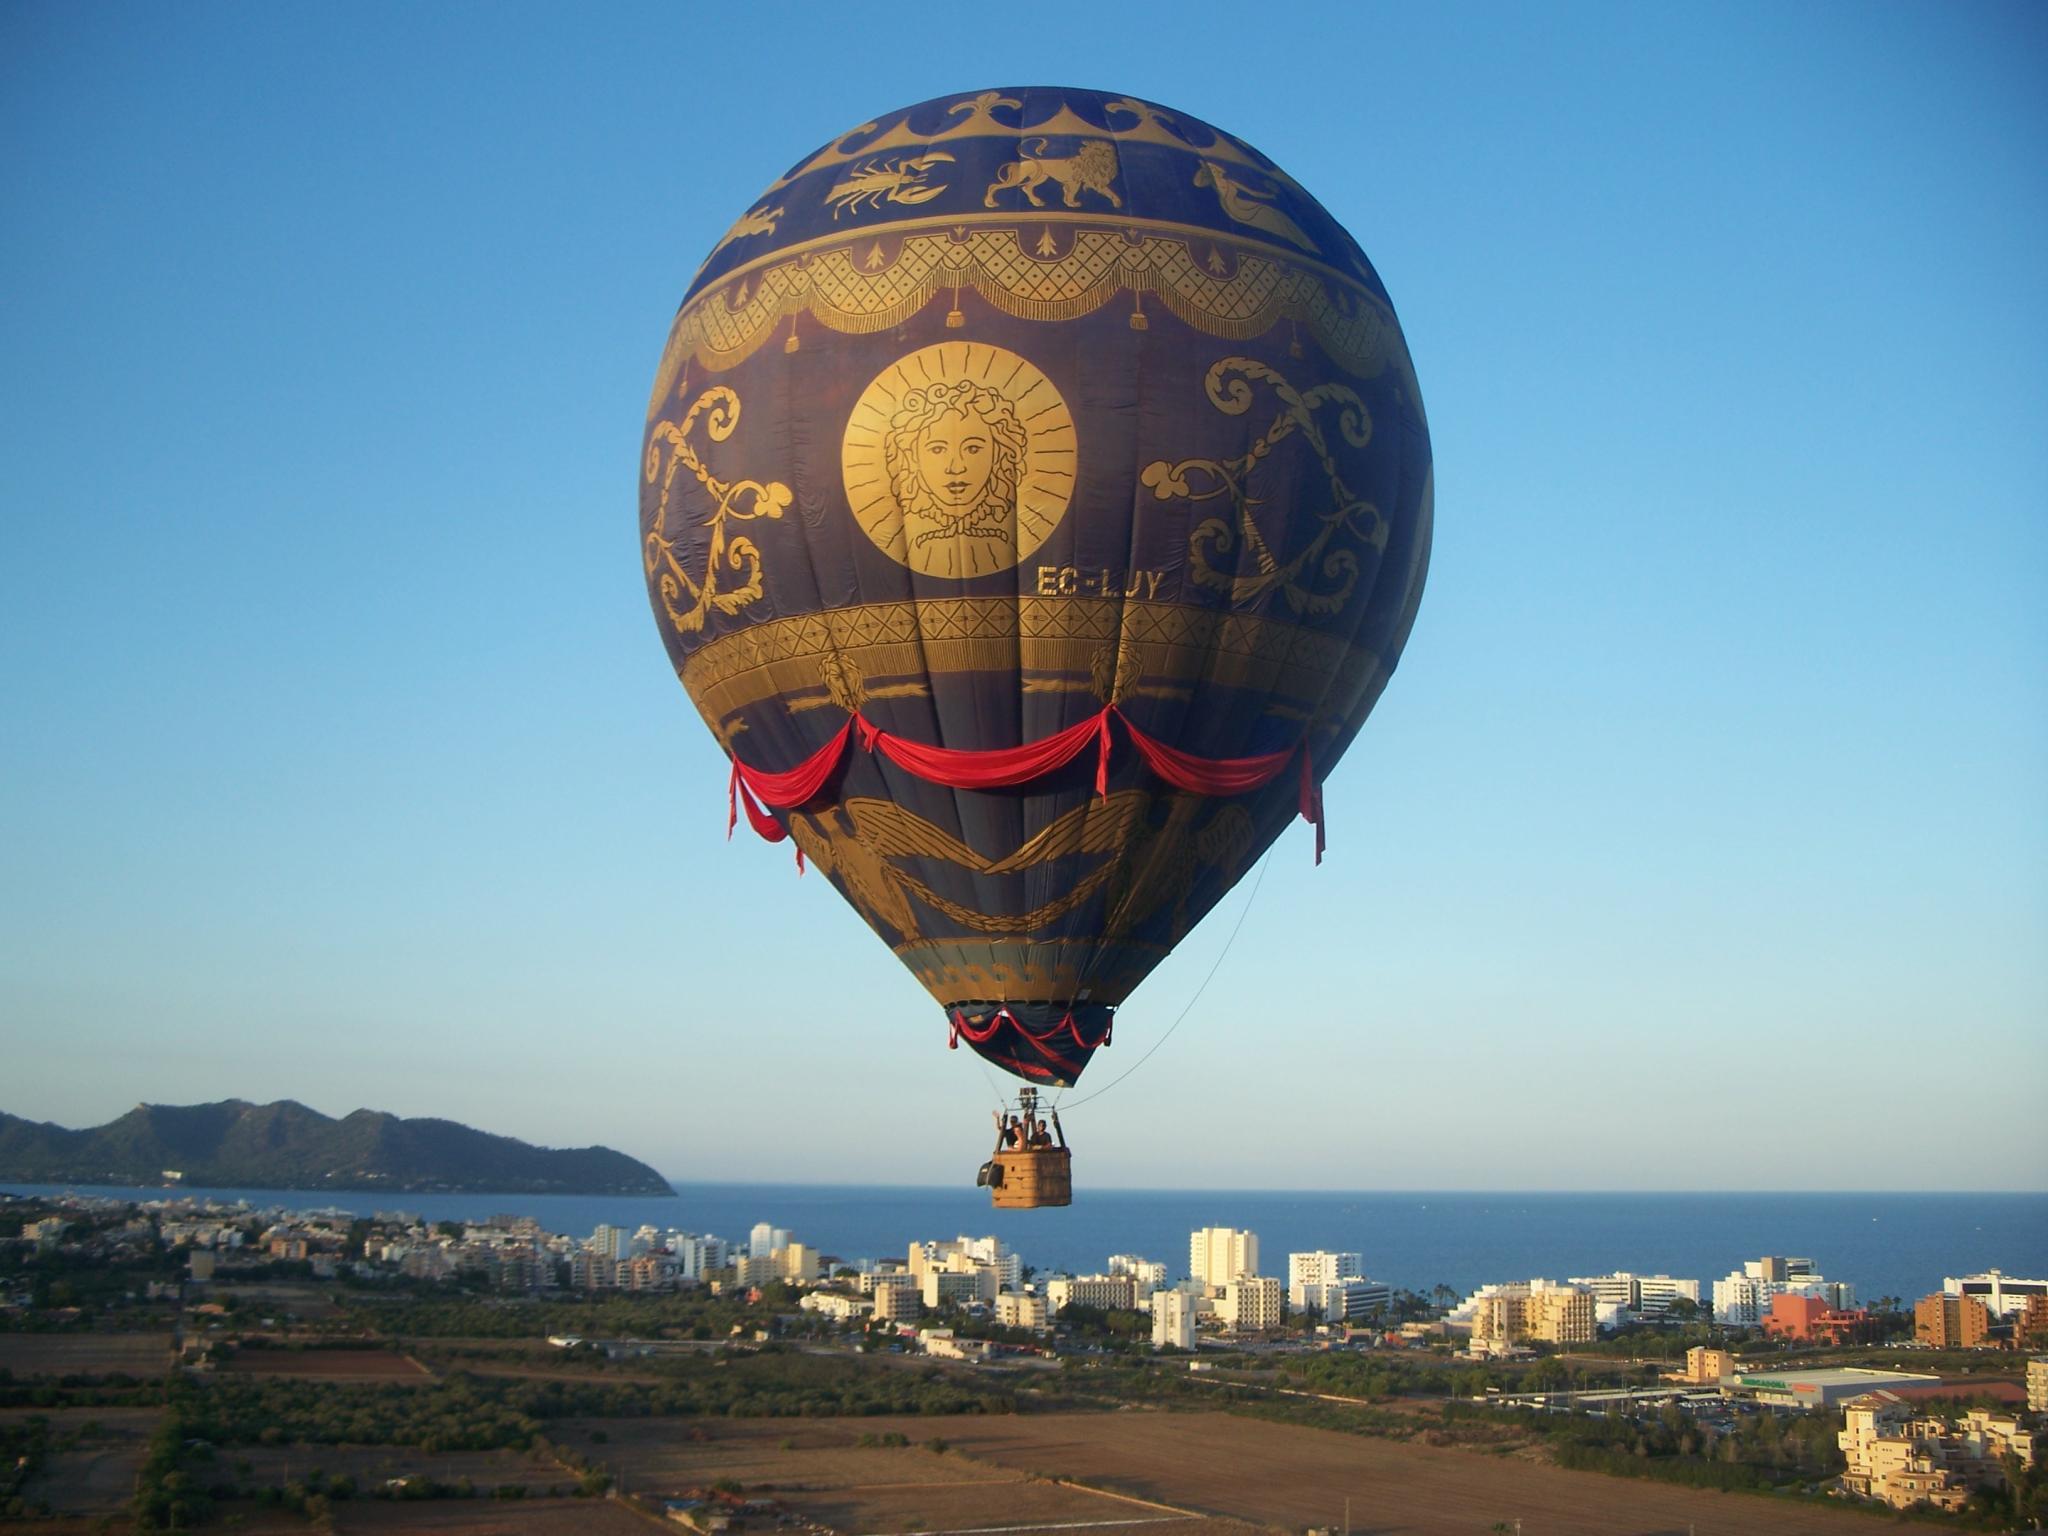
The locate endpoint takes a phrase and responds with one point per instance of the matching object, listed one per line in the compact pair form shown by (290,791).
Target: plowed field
(1283,1475)
(97,1477)
(819,1472)
(85,1354)
(490,1517)
(333,1364)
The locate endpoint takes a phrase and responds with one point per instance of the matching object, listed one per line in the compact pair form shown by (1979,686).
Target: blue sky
(1701,841)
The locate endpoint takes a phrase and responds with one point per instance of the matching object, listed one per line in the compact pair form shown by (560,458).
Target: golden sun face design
(959,459)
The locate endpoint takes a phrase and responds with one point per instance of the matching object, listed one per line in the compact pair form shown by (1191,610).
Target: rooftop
(1834,1380)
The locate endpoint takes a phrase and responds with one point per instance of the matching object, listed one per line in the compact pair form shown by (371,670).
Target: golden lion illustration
(1091,168)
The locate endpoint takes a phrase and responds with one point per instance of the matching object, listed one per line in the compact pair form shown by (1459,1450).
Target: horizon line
(680,1186)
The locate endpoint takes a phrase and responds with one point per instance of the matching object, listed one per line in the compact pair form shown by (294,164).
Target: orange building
(1808,1319)
(1942,1321)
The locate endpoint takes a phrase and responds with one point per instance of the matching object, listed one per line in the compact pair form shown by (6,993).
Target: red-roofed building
(1808,1319)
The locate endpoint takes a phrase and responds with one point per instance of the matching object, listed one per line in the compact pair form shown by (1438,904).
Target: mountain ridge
(236,1144)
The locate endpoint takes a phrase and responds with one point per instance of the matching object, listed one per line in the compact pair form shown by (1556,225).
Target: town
(1906,1403)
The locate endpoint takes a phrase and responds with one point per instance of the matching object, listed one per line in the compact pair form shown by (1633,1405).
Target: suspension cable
(1242,913)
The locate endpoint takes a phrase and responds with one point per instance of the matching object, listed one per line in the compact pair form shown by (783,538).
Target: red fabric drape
(1003,1016)
(737,794)
(996,768)
(1207,775)
(786,791)
(761,793)
(1311,797)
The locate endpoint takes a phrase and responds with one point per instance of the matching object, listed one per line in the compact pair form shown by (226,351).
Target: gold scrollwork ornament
(738,500)
(1300,579)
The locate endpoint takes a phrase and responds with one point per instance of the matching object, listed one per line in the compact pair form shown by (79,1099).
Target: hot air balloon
(1035,500)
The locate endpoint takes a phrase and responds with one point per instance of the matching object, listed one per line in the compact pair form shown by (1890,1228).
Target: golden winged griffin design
(1143,867)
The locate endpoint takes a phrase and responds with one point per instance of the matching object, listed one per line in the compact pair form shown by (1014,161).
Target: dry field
(85,1354)
(490,1517)
(660,1455)
(249,1520)
(332,1364)
(541,1372)
(280,1300)
(826,1476)
(373,1465)
(99,1477)
(1285,1475)
(999,1499)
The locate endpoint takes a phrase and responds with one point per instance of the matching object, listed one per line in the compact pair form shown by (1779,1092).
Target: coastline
(1886,1244)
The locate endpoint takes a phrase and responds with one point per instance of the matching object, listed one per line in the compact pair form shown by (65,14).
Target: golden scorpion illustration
(875,182)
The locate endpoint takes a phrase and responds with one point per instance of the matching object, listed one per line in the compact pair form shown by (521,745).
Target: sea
(1900,1245)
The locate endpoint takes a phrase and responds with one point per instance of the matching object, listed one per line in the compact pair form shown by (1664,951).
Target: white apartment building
(1740,1301)
(1347,1301)
(835,1305)
(2003,1295)
(884,1279)
(1019,1309)
(1647,1294)
(765,1239)
(1321,1267)
(1112,1293)
(953,1262)
(1008,1267)
(1218,1255)
(1173,1320)
(696,1256)
(1250,1303)
(1148,1274)
(1313,1272)
(1744,1296)
(972,1286)
(1655,1293)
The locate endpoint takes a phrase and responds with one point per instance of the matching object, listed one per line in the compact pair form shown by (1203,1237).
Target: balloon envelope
(1031,412)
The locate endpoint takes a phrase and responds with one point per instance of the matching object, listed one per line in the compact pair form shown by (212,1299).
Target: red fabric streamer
(996,768)
(786,791)
(1003,1016)
(1206,775)
(1311,797)
(739,794)
(1045,1045)
(761,793)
